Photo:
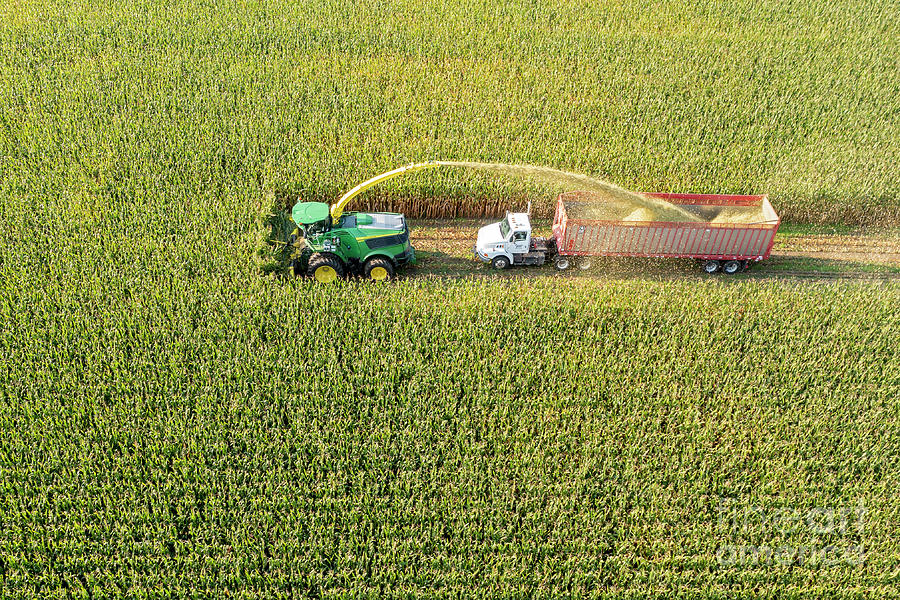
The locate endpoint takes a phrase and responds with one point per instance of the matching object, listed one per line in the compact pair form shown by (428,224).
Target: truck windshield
(504,228)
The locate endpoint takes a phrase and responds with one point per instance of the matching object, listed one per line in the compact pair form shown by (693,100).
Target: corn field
(180,438)
(175,421)
(792,99)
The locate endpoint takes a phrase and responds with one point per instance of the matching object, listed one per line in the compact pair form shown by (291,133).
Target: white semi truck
(726,246)
(510,242)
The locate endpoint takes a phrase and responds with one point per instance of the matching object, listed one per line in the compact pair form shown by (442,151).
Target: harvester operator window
(383,221)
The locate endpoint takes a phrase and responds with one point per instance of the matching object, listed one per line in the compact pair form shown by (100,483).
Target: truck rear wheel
(584,263)
(562,262)
(711,266)
(325,268)
(378,269)
(500,262)
(731,267)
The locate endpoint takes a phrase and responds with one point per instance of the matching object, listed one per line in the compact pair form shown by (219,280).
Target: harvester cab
(312,218)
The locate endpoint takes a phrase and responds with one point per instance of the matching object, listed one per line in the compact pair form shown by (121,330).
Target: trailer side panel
(704,240)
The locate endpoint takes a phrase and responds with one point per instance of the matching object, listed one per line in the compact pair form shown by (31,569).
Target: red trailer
(734,231)
(728,233)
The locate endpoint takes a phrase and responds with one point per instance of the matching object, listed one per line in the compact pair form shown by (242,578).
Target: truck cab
(509,242)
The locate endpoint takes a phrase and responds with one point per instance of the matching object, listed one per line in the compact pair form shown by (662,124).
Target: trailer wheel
(731,267)
(711,266)
(584,263)
(325,268)
(562,262)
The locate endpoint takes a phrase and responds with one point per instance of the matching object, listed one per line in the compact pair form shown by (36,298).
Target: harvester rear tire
(731,267)
(325,268)
(500,262)
(378,269)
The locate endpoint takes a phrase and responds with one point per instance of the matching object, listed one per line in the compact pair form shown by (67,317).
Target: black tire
(319,264)
(562,262)
(500,262)
(584,263)
(378,269)
(731,267)
(711,266)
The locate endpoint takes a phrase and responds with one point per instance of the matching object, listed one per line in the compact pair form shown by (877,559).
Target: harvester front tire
(325,268)
(500,262)
(378,269)
(731,267)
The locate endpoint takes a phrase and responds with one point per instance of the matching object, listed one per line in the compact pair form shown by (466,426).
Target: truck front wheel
(500,262)
(378,269)
(325,268)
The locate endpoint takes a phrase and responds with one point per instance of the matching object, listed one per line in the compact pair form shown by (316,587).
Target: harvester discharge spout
(338,207)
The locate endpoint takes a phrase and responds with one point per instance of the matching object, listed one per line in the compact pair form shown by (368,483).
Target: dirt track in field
(445,249)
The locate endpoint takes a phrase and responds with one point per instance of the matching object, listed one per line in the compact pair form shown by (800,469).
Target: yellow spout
(617,199)
(338,207)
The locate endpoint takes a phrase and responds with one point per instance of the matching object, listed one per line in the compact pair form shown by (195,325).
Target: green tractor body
(373,245)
